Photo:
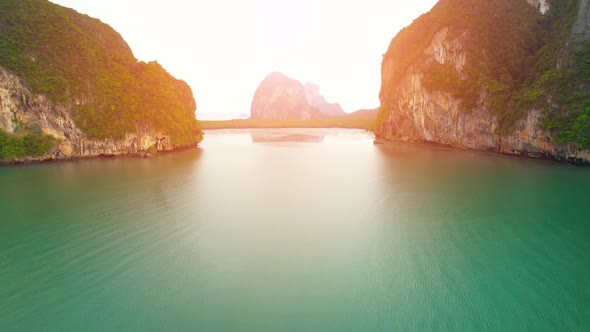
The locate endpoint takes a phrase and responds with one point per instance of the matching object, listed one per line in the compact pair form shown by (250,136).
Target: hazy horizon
(226,48)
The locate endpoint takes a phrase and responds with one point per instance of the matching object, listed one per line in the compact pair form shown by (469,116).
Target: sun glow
(224,49)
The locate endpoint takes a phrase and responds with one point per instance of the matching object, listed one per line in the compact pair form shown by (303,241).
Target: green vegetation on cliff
(569,117)
(24,144)
(82,63)
(517,58)
(498,36)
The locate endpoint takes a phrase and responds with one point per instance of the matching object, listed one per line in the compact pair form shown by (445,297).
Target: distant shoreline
(346,123)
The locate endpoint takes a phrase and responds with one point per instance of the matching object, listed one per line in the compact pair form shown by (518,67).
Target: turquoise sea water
(296,230)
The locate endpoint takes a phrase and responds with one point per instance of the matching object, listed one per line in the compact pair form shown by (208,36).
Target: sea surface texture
(296,230)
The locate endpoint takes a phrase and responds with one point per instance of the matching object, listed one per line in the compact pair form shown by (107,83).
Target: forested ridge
(519,58)
(83,64)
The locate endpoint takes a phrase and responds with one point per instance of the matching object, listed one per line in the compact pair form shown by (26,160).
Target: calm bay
(296,230)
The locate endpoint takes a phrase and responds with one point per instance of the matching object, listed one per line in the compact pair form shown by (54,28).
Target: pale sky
(224,48)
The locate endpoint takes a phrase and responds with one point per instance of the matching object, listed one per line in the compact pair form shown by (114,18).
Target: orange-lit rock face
(410,111)
(281,97)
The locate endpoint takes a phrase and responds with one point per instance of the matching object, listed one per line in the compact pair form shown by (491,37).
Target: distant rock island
(315,99)
(70,87)
(279,97)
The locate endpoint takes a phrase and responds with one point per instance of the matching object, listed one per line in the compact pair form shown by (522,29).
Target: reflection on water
(292,135)
(339,235)
(264,137)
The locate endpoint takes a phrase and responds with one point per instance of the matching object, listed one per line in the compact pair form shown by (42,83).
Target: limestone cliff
(317,100)
(466,86)
(18,105)
(581,27)
(73,77)
(279,97)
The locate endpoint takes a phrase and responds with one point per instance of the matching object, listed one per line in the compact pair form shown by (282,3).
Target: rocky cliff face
(279,97)
(73,77)
(315,99)
(581,28)
(410,111)
(18,105)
